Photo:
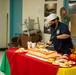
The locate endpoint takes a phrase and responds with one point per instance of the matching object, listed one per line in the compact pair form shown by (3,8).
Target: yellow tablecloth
(67,71)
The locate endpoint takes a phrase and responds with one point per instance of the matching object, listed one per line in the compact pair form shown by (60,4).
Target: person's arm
(63,36)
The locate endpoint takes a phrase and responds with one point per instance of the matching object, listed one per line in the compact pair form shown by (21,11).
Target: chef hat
(51,17)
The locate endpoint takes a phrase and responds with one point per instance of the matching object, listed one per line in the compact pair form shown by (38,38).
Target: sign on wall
(49,7)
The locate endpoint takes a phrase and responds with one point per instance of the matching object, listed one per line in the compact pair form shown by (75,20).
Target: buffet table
(20,64)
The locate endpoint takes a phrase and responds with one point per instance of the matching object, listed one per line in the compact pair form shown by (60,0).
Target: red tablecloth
(21,64)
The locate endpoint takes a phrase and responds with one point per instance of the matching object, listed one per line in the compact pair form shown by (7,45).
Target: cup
(29,44)
(33,45)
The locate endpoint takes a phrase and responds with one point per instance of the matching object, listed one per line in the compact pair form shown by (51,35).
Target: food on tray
(62,60)
(51,60)
(20,50)
(65,65)
(56,63)
(71,62)
(42,46)
(43,53)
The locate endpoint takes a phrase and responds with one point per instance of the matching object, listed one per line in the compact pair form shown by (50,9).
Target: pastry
(65,65)
(43,53)
(56,63)
(20,50)
(62,60)
(51,60)
(70,62)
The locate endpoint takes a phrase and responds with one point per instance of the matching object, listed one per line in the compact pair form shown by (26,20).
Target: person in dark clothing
(60,35)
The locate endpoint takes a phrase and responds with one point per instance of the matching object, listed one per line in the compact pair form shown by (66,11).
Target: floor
(1,55)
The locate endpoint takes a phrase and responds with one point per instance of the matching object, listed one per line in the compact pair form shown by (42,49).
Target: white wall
(4,4)
(34,9)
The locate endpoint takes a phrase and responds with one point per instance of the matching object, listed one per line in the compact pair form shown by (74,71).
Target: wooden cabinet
(73,28)
(32,38)
(73,25)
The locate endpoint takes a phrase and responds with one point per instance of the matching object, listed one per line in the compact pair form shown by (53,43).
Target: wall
(34,9)
(4,10)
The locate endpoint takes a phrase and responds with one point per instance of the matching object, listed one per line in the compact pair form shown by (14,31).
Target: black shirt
(62,45)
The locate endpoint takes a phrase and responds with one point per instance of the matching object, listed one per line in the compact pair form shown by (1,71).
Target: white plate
(74,62)
(21,51)
(65,66)
(25,50)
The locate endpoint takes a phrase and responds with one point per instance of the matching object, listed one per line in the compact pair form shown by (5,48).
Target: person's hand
(49,43)
(53,38)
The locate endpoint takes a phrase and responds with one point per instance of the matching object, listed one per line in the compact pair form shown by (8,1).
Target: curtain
(66,5)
